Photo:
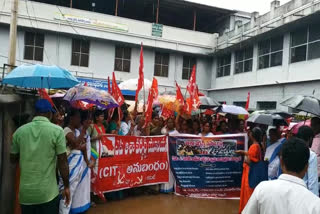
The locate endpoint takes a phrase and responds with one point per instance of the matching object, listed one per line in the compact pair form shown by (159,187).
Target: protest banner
(207,167)
(129,161)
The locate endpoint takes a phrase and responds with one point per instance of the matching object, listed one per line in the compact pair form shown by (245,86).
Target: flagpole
(144,99)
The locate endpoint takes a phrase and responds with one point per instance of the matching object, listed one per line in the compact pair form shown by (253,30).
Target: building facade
(273,56)
(93,45)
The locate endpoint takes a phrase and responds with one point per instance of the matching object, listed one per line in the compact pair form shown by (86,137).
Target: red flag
(196,100)
(141,76)
(44,95)
(166,113)
(179,96)
(109,87)
(85,84)
(116,92)
(248,101)
(154,88)
(153,94)
(191,87)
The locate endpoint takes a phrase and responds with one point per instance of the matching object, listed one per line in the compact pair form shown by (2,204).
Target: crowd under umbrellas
(196,114)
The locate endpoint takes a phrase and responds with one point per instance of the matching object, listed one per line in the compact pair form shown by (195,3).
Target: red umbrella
(295,128)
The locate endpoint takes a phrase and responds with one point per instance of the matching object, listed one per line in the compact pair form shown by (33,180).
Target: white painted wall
(287,73)
(42,16)
(57,51)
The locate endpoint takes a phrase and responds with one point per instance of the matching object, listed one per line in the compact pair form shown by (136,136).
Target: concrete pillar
(232,22)
(273,6)
(233,60)
(238,23)
(254,16)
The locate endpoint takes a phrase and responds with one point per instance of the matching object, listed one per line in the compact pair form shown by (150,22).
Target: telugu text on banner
(207,167)
(133,162)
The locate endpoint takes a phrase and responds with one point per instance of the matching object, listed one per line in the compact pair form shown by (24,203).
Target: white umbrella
(231,109)
(132,84)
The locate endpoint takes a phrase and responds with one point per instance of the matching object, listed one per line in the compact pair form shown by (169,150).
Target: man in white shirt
(311,178)
(288,194)
(272,153)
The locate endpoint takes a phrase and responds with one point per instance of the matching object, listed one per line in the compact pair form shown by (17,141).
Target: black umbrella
(208,103)
(308,104)
(267,119)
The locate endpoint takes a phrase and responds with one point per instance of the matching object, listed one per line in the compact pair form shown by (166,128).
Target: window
(123,59)
(80,52)
(224,64)
(188,63)
(161,65)
(33,46)
(305,44)
(266,105)
(270,52)
(244,60)
(240,104)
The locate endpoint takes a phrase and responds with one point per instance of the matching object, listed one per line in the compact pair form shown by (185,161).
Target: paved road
(167,204)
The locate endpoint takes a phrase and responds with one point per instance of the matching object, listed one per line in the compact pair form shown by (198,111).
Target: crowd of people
(68,147)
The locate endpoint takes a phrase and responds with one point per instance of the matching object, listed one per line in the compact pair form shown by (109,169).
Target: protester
(206,130)
(79,164)
(272,154)
(254,154)
(196,127)
(288,194)
(113,126)
(38,146)
(184,127)
(315,125)
(171,131)
(311,178)
(242,125)
(155,128)
(97,129)
(126,125)
(222,128)
(139,129)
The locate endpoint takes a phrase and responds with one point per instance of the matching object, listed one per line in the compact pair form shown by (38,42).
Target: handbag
(258,172)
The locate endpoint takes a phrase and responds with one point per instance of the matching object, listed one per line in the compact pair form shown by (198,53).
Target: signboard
(89,21)
(157,29)
(207,167)
(132,162)
(95,83)
(103,85)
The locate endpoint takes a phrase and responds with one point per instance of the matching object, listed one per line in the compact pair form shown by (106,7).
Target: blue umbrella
(40,76)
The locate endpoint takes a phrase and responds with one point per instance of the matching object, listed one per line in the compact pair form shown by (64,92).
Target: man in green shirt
(37,146)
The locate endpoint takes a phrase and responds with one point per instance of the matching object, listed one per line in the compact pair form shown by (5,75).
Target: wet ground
(166,204)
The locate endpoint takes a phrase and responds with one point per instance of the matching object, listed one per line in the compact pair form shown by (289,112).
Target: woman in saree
(78,149)
(254,154)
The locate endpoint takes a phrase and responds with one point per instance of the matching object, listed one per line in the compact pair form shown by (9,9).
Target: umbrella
(268,119)
(40,76)
(231,109)
(295,128)
(207,102)
(139,107)
(132,84)
(172,93)
(283,114)
(308,104)
(91,95)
